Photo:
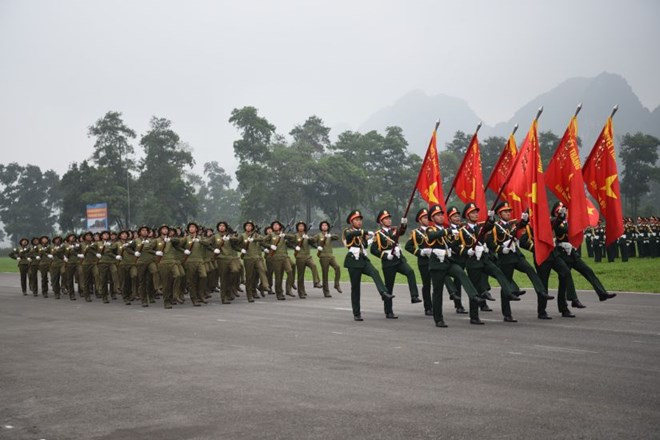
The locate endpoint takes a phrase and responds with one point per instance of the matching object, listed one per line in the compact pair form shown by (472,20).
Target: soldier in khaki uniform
(127,269)
(193,261)
(72,266)
(21,255)
(268,260)
(44,263)
(255,269)
(55,254)
(229,265)
(302,244)
(147,273)
(276,242)
(107,253)
(33,269)
(166,259)
(87,254)
(324,241)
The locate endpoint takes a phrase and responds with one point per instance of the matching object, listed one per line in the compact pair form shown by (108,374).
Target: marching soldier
(193,263)
(33,269)
(302,244)
(21,255)
(107,253)
(229,265)
(599,243)
(44,263)
(416,245)
(385,246)
(453,283)
(87,254)
(324,241)
(268,259)
(276,243)
(589,241)
(127,269)
(55,253)
(72,266)
(168,270)
(144,251)
(357,262)
(255,269)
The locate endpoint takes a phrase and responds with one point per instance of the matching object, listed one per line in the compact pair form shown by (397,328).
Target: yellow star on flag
(608,186)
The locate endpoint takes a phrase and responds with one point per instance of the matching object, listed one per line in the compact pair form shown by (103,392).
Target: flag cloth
(564,179)
(469,180)
(429,181)
(527,190)
(503,166)
(592,213)
(602,181)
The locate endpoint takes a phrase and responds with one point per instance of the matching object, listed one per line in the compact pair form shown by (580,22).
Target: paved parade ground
(300,369)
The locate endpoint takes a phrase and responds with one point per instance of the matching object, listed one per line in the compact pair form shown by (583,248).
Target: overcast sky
(64,64)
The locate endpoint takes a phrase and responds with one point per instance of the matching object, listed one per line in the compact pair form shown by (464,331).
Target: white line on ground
(343,308)
(564,349)
(337,333)
(514,352)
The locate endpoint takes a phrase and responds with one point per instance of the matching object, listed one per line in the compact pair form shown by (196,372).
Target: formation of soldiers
(455,252)
(149,263)
(641,238)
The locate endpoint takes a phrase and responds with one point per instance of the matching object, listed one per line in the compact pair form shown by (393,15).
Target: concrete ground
(303,369)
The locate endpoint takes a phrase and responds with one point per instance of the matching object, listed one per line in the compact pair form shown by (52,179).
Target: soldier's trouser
(521,265)
(438,282)
(423,266)
(565,282)
(196,279)
(326,263)
(588,274)
(33,278)
(598,253)
(56,271)
(170,276)
(301,264)
(72,271)
(460,278)
(88,279)
(147,273)
(404,269)
(44,269)
(282,265)
(107,272)
(128,281)
(611,252)
(229,270)
(590,249)
(241,272)
(506,288)
(24,269)
(269,271)
(255,271)
(623,249)
(355,274)
(178,289)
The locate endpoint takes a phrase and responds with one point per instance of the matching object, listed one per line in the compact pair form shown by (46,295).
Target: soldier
(55,253)
(255,269)
(268,259)
(416,245)
(473,248)
(571,258)
(170,277)
(33,269)
(598,242)
(21,255)
(357,262)
(588,240)
(324,241)
(127,269)
(385,246)
(193,263)
(72,266)
(107,253)
(453,283)
(509,257)
(229,266)
(302,244)
(44,263)
(87,255)
(276,242)
(145,261)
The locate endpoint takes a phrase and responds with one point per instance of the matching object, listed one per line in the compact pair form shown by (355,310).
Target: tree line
(305,176)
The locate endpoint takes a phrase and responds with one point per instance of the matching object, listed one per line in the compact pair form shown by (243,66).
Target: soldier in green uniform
(302,245)
(385,246)
(416,245)
(229,265)
(44,263)
(72,267)
(324,241)
(276,242)
(268,260)
(145,261)
(509,258)
(33,269)
(55,253)
(87,254)
(357,262)
(168,269)
(211,264)
(127,269)
(107,253)
(193,263)
(21,255)
(255,269)
(453,283)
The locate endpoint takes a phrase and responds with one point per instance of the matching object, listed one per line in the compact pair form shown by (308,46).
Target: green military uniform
(416,245)
(56,254)
(127,269)
(72,267)
(276,242)
(144,249)
(33,269)
(170,276)
(44,263)
(107,252)
(302,244)
(326,258)
(229,265)
(193,263)
(87,254)
(21,255)
(255,269)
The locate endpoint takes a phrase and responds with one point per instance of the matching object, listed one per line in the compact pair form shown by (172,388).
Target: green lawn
(637,275)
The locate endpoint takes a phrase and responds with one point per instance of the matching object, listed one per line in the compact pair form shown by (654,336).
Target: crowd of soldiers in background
(641,239)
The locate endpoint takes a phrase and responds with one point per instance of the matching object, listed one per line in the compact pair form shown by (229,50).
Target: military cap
(353,215)
(503,206)
(23,240)
(144,227)
(300,222)
(160,228)
(105,232)
(44,236)
(125,231)
(435,209)
(421,213)
(278,222)
(383,214)
(190,224)
(217,226)
(70,234)
(326,222)
(452,210)
(469,208)
(87,233)
(249,222)
(57,237)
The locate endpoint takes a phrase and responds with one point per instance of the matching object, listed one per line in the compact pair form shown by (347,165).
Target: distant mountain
(416,112)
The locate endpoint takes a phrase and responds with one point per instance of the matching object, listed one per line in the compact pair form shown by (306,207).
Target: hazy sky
(64,64)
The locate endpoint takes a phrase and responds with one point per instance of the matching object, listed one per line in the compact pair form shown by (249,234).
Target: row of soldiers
(640,239)
(463,254)
(148,263)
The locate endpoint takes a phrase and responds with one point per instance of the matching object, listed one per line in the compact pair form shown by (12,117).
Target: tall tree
(491,148)
(219,200)
(639,154)
(77,181)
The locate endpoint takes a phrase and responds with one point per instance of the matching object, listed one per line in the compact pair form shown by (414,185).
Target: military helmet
(324,222)
(249,222)
(278,222)
(23,240)
(301,222)
(190,224)
(469,208)
(222,222)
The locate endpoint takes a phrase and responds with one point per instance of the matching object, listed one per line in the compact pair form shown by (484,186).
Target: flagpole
(453,184)
(497,199)
(405,214)
(515,128)
(577,110)
(614,110)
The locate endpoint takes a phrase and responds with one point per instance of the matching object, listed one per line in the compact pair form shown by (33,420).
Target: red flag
(469,181)
(564,179)
(602,181)
(429,181)
(526,189)
(592,213)
(503,166)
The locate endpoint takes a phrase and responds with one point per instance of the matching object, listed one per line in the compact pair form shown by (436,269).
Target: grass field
(637,275)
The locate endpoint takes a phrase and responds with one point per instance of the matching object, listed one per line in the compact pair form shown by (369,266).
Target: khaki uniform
(327,260)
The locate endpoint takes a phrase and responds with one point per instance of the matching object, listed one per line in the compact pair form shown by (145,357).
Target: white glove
(440,254)
(98,255)
(282,235)
(266,251)
(305,236)
(456,233)
(137,254)
(486,250)
(370,233)
(404,221)
(297,248)
(524,216)
(319,248)
(389,255)
(18,258)
(623,236)
(107,243)
(273,247)
(491,215)
(166,239)
(159,253)
(81,256)
(196,240)
(76,245)
(29,260)
(397,252)
(187,252)
(250,239)
(356,252)
(65,259)
(505,249)
(470,252)
(38,257)
(118,258)
(146,242)
(478,251)
(50,256)
(216,251)
(562,211)
(225,237)
(425,252)
(371,240)
(243,251)
(328,235)
(125,244)
(567,246)
(449,253)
